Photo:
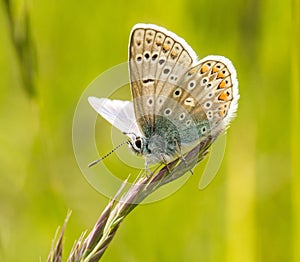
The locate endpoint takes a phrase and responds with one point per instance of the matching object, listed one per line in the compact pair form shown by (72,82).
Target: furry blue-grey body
(163,141)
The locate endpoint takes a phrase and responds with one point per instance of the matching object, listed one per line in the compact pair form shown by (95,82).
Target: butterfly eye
(138,143)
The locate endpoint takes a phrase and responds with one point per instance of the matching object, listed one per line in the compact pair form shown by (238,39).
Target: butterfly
(177,100)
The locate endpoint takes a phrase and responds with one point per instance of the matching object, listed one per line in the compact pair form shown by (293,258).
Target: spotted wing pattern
(198,97)
(157,60)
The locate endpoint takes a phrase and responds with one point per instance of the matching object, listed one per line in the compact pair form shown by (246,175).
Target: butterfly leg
(147,167)
(183,159)
(165,162)
(181,156)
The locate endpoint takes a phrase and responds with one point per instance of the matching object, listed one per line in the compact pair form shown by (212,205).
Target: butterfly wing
(119,113)
(208,94)
(211,90)
(157,60)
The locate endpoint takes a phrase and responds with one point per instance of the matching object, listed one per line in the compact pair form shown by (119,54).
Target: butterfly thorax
(160,143)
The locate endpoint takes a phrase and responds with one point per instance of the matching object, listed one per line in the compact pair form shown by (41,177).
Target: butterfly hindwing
(212,88)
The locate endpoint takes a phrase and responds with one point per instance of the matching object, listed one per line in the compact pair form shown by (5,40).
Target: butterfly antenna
(101,158)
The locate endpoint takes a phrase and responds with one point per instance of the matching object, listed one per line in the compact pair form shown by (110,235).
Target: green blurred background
(251,210)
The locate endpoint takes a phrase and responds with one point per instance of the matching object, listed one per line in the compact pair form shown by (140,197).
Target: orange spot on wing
(173,53)
(192,71)
(222,84)
(223,96)
(220,75)
(166,47)
(222,113)
(214,70)
(204,69)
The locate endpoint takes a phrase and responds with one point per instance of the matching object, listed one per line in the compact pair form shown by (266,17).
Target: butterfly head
(137,144)
(155,149)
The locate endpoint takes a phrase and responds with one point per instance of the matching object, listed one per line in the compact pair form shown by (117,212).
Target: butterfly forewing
(157,61)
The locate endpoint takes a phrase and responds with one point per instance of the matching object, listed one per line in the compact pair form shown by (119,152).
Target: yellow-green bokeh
(250,212)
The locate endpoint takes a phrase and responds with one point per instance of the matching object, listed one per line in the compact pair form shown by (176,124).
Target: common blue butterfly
(178,100)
